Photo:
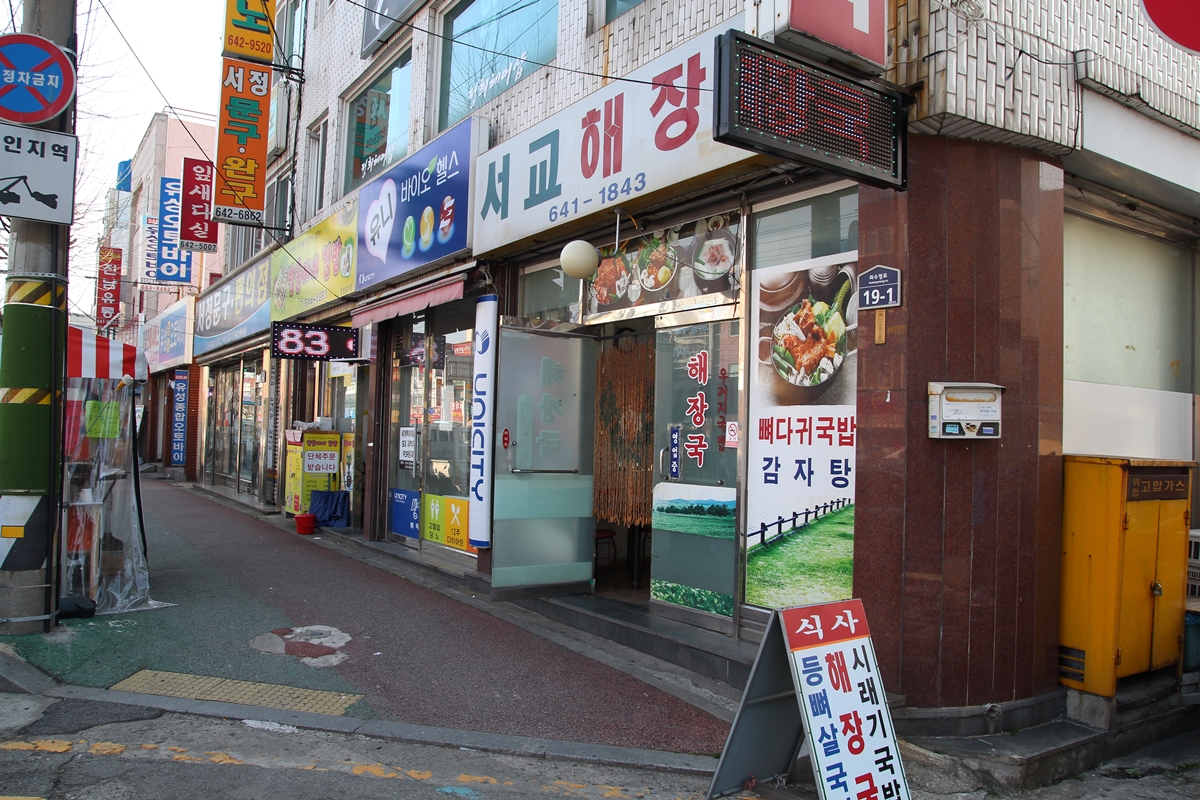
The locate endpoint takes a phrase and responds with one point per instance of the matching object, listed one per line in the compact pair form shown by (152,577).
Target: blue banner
(417,212)
(179,391)
(173,265)
(234,309)
(404,513)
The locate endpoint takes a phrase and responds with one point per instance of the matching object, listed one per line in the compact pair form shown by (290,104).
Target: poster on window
(802,432)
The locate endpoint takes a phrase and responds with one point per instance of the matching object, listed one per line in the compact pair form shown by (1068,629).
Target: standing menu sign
(816,677)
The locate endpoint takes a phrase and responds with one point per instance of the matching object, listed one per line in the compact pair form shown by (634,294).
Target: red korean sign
(241,167)
(108,287)
(856,26)
(849,727)
(1177,20)
(197,231)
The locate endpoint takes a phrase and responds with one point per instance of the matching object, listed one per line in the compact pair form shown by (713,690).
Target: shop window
(1127,308)
(615,8)
(379,124)
(289,32)
(488,47)
(550,294)
(314,171)
(813,227)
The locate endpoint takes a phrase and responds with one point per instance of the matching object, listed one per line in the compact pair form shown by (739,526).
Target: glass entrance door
(544,530)
(693,568)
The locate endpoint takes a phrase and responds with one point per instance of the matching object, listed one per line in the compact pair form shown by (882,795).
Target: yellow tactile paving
(224,690)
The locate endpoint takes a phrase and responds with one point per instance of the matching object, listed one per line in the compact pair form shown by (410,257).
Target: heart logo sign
(381,216)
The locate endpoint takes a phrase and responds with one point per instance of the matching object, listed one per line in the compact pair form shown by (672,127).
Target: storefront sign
(407,448)
(483,414)
(179,394)
(1176,21)
(770,101)
(249,30)
(404,513)
(382,18)
(851,739)
(313,342)
(197,231)
(624,141)
(417,213)
(173,264)
(150,263)
(321,461)
(879,287)
(37,173)
(241,164)
(689,265)
(317,267)
(167,338)
(234,309)
(802,432)
(108,287)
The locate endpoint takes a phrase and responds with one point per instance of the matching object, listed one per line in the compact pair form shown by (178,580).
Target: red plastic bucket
(306,523)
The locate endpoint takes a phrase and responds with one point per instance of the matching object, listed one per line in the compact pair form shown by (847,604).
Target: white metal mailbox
(964,410)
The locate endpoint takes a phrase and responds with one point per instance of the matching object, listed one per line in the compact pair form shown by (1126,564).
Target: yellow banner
(315,268)
(248,30)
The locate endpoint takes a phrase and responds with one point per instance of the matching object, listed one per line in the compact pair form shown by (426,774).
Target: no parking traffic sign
(37,80)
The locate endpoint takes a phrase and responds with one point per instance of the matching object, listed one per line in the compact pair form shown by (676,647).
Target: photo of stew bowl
(656,265)
(809,344)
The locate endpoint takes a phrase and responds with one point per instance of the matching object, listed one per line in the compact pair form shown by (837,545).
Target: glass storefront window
(378,124)
(550,294)
(813,227)
(475,31)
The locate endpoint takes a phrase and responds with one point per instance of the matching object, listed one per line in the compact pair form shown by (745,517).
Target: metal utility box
(1124,568)
(964,410)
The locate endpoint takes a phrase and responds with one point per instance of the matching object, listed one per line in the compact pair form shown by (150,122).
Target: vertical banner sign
(248,31)
(179,393)
(173,264)
(197,231)
(150,262)
(108,287)
(483,411)
(240,177)
(850,736)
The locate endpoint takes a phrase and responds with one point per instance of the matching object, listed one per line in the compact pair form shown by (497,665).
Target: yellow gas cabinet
(1124,568)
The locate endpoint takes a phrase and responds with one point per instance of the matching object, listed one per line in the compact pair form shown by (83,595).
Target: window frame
(345,178)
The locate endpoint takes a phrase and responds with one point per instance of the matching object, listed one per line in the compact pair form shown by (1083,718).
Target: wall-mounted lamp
(579,259)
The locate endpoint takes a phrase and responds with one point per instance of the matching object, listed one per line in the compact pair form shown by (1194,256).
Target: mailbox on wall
(964,410)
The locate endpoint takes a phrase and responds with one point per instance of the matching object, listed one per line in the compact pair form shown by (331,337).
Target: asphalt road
(416,655)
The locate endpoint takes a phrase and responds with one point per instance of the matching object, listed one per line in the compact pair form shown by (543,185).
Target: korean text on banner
(626,140)
(235,308)
(317,267)
(167,338)
(249,29)
(483,412)
(197,231)
(108,287)
(850,735)
(173,264)
(179,386)
(150,249)
(241,165)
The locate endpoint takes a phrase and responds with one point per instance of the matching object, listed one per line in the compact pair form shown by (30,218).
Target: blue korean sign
(418,212)
(234,309)
(673,456)
(179,391)
(167,337)
(37,80)
(879,287)
(404,513)
(173,264)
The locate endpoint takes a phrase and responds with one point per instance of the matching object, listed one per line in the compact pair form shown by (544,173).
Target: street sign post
(1177,20)
(37,174)
(37,80)
(879,287)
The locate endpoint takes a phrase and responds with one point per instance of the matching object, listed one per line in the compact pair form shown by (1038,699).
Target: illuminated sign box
(772,102)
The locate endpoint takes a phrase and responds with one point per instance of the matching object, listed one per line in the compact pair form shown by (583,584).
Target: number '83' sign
(313,342)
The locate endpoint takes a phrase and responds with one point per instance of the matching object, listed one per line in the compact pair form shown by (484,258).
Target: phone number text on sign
(842,701)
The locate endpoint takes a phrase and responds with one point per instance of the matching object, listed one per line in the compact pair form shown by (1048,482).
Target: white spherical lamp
(579,259)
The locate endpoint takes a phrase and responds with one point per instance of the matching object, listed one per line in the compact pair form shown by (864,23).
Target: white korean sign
(843,704)
(483,412)
(321,461)
(408,447)
(37,174)
(629,139)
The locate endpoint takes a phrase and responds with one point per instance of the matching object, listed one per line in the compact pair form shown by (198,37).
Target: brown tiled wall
(957,544)
(196,390)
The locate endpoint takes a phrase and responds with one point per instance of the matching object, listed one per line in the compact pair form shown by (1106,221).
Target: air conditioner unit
(277,126)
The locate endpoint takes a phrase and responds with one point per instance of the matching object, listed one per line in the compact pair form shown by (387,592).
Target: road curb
(18,676)
(530,747)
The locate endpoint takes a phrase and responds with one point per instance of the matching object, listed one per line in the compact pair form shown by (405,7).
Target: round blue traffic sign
(37,80)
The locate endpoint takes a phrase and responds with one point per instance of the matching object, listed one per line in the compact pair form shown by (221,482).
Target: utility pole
(31,384)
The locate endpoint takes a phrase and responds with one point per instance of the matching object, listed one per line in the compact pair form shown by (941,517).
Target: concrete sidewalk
(415,654)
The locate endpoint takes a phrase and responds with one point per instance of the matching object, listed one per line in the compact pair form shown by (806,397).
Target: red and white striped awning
(92,356)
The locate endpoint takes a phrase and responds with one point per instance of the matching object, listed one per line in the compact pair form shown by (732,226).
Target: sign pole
(31,383)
